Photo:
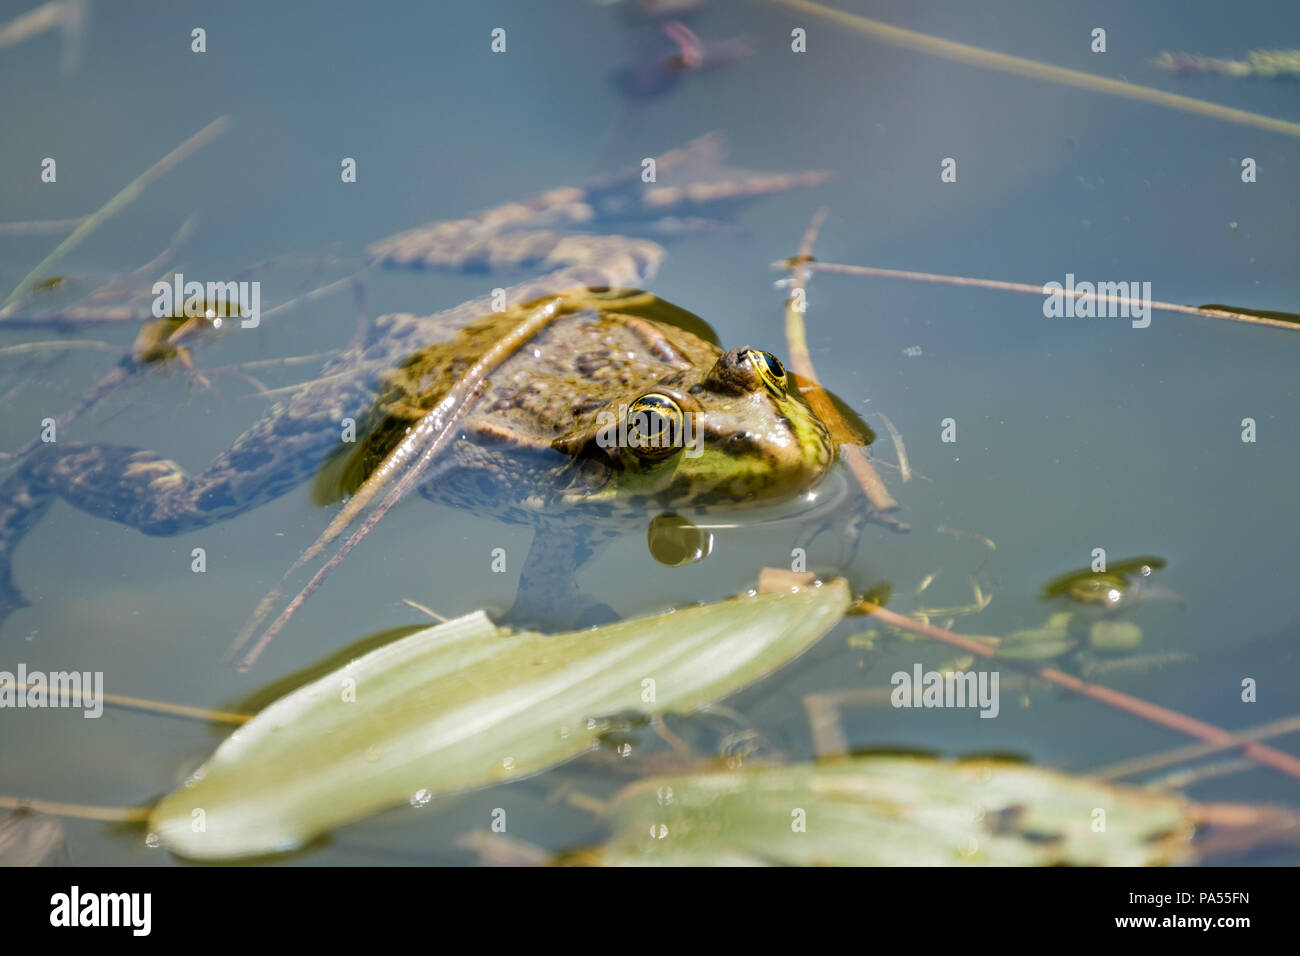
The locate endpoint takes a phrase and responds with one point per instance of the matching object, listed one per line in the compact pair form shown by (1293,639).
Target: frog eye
(654,426)
(769,369)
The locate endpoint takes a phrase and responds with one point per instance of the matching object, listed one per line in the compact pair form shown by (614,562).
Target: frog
(534,447)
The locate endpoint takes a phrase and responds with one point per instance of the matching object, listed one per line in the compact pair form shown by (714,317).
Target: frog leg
(153,494)
(459,246)
(548,597)
(544,232)
(846,524)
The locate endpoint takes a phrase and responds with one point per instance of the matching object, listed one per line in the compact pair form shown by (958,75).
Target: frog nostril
(742,443)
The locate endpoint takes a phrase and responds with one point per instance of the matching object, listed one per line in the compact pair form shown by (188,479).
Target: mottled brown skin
(528,446)
(525,454)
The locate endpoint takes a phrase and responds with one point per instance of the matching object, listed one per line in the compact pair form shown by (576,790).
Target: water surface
(1073,434)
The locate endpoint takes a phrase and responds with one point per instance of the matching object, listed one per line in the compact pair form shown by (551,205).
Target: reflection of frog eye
(654,425)
(769,369)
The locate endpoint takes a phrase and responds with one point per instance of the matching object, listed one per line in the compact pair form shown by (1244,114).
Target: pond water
(1071,433)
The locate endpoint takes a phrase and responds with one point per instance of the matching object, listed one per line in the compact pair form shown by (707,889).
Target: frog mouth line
(592,467)
(822,498)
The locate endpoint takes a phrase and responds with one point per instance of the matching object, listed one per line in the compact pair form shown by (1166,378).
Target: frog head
(721,434)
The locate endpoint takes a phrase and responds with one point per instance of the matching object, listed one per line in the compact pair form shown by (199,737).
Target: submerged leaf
(1115,637)
(891,810)
(1036,644)
(28,838)
(466,704)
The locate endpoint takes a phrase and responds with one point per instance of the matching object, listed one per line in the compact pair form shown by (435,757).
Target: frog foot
(11,599)
(575,612)
(548,598)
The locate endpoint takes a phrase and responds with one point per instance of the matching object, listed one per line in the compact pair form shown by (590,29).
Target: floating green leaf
(1262,313)
(466,704)
(891,810)
(1090,586)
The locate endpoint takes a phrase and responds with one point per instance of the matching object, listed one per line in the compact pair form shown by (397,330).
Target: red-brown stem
(1153,712)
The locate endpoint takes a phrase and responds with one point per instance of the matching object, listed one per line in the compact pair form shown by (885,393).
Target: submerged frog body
(542,444)
(537,444)
(604,412)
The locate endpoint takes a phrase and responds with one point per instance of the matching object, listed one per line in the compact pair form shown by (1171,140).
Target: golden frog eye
(654,426)
(769,369)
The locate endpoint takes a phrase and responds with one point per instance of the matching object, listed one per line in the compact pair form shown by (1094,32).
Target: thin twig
(1140,708)
(122,199)
(178,239)
(40,227)
(48,16)
(298,386)
(904,469)
(133,279)
(316,293)
(977,56)
(153,707)
(999,285)
(114,379)
(420,607)
(281,362)
(1167,758)
(1182,779)
(800,359)
(402,468)
(58,345)
(79,810)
